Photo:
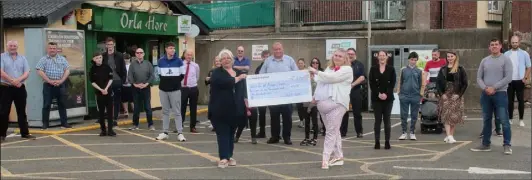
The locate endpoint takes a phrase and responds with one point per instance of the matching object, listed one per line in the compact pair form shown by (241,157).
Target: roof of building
(20,12)
(180,7)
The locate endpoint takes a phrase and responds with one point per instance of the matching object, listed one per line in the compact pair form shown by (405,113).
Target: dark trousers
(142,98)
(189,96)
(516,88)
(225,136)
(275,113)
(356,105)
(262,119)
(312,116)
(301,111)
(382,111)
(105,104)
(117,98)
(50,92)
(8,95)
(242,124)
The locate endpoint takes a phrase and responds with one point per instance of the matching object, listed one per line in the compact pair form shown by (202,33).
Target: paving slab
(212,173)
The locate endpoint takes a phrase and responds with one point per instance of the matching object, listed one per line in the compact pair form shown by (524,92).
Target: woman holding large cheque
(227,105)
(332,98)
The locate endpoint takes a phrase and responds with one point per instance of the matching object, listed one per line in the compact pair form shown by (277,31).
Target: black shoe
(212,130)
(253,141)
(498,133)
(175,131)
(29,136)
(305,142)
(261,135)
(66,126)
(115,123)
(273,140)
(287,141)
(377,144)
(343,135)
(236,140)
(387,145)
(103,133)
(360,135)
(314,142)
(111,133)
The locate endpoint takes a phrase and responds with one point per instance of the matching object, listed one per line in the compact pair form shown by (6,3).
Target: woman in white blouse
(332,98)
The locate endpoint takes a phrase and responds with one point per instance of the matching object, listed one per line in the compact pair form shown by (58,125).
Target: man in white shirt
(521,72)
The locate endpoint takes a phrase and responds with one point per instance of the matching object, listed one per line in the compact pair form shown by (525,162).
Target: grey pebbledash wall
(470,44)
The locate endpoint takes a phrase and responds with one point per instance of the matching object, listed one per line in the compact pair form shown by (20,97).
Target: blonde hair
(456,64)
(346,59)
(226,52)
(214,61)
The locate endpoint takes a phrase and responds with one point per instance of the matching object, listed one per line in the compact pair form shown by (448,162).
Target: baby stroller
(430,122)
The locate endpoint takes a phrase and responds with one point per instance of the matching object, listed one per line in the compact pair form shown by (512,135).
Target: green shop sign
(116,20)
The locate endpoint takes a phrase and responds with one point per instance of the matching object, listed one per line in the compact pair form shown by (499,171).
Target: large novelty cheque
(278,88)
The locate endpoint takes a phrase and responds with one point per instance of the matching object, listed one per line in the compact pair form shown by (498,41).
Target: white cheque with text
(279,88)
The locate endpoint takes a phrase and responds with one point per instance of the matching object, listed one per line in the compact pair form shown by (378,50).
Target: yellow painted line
(109,160)
(399,146)
(21,141)
(5,172)
(208,156)
(97,126)
(441,154)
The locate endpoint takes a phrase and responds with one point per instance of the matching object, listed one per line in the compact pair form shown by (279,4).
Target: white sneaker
(446,139)
(451,140)
(336,162)
(301,124)
(521,123)
(162,136)
(511,121)
(413,137)
(181,137)
(402,137)
(152,128)
(210,126)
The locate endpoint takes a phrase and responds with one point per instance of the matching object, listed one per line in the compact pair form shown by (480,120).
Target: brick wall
(435,14)
(459,14)
(521,20)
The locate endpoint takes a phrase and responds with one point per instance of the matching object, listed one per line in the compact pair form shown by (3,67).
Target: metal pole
(2,26)
(369,60)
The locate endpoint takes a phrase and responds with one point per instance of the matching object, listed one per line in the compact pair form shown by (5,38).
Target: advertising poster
(256,52)
(71,45)
(424,56)
(332,45)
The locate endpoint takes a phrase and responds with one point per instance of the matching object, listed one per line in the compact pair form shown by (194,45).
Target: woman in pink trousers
(332,98)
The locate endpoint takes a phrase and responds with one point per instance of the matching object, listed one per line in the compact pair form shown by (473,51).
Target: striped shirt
(53,67)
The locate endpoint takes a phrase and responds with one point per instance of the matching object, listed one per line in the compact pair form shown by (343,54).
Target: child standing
(127,93)
(409,87)
(101,76)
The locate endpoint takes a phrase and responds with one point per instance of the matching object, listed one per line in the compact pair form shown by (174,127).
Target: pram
(430,122)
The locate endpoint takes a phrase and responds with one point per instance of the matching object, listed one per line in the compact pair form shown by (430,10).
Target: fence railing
(308,12)
(229,15)
(259,13)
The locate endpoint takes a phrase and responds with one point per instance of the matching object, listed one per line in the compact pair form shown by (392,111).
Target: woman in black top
(382,80)
(101,76)
(316,64)
(451,84)
(227,105)
(215,64)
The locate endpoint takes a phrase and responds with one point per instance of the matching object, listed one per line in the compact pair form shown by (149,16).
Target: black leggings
(301,111)
(313,115)
(243,121)
(382,111)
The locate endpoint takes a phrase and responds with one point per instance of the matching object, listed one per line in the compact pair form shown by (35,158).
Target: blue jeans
(413,103)
(495,104)
(142,97)
(50,92)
